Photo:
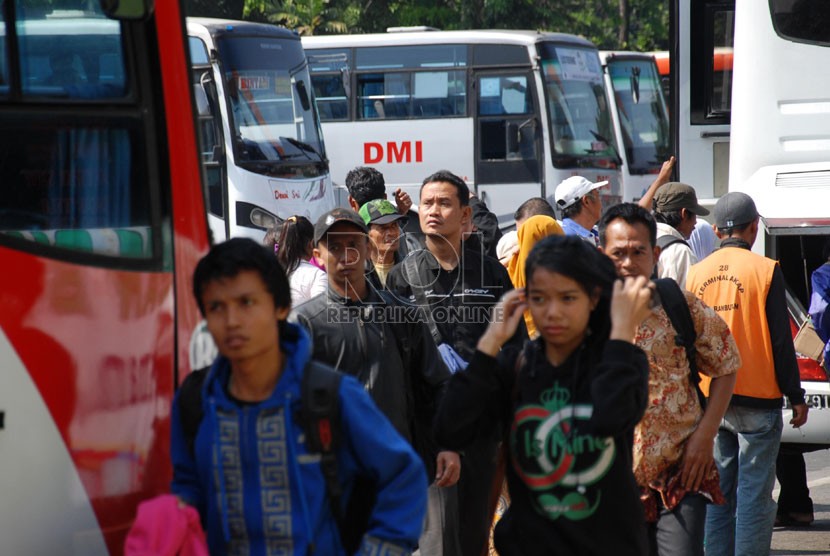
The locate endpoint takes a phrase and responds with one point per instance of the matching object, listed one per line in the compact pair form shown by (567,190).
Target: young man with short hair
(748,291)
(673,443)
(456,288)
(247,467)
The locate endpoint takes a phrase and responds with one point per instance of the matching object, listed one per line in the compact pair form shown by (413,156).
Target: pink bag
(166,527)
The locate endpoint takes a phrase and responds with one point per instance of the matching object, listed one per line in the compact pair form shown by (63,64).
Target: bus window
(425,91)
(802,20)
(642,113)
(71,58)
(710,64)
(577,106)
(505,107)
(66,182)
(411,57)
(721,71)
(273,119)
(329,76)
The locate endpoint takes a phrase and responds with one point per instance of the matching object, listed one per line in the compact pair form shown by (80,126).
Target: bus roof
(444,37)
(224,27)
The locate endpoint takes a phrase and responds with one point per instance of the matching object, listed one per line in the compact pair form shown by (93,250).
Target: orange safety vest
(735,282)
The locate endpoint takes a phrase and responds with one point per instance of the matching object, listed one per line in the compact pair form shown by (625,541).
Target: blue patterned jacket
(260,492)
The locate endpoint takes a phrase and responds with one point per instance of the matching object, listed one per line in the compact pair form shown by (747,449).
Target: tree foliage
(610,24)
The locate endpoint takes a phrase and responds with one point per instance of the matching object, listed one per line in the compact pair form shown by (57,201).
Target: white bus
(780,140)
(262,148)
(641,120)
(512,112)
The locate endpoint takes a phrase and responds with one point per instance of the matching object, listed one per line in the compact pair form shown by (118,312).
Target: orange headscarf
(530,232)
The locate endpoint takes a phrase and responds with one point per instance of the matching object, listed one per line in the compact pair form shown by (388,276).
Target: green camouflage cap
(379,211)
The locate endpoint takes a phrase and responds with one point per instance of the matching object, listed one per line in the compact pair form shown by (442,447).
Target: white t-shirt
(306,281)
(675,259)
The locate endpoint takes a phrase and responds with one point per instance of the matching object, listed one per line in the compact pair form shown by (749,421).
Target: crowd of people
(608,382)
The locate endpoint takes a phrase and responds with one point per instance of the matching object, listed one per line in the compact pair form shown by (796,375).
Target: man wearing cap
(676,210)
(365,333)
(581,206)
(384,223)
(747,290)
(365,184)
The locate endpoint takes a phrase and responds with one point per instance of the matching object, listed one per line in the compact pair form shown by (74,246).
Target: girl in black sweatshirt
(567,404)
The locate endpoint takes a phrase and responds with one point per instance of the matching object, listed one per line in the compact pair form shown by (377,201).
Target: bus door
(212,151)
(702,94)
(508,141)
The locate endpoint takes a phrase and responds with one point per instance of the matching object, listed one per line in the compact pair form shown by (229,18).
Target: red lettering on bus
(395,154)
(372,153)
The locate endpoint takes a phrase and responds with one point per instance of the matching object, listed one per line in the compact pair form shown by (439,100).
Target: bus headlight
(263,218)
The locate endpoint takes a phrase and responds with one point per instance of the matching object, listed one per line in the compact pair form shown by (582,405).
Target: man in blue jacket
(258,487)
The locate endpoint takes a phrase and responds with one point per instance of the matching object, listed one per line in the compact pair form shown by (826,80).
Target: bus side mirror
(202,104)
(302,92)
(127,9)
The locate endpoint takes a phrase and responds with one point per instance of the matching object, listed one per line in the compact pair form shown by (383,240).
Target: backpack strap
(190,406)
(320,417)
(668,239)
(410,269)
(674,302)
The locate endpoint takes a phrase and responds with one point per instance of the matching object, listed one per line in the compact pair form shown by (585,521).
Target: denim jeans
(745,450)
(679,532)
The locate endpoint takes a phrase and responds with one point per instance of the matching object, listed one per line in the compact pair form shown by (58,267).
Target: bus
(512,112)
(102,221)
(262,148)
(779,150)
(640,116)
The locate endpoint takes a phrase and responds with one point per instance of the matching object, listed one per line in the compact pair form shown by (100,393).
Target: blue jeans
(745,450)
(679,532)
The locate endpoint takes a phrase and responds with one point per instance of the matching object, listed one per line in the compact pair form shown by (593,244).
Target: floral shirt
(673,410)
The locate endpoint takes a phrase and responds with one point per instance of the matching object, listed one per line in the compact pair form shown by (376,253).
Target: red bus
(102,220)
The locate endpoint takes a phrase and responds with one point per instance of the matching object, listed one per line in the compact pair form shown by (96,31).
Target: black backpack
(674,302)
(320,419)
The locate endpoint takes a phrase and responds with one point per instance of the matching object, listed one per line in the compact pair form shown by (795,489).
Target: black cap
(334,216)
(734,209)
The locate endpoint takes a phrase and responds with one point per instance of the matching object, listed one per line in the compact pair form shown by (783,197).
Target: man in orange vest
(748,291)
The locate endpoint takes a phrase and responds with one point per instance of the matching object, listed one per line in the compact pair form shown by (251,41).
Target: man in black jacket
(456,288)
(365,333)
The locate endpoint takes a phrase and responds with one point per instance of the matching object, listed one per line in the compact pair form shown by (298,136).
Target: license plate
(814,401)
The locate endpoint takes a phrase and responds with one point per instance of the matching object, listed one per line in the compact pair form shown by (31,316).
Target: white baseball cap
(571,190)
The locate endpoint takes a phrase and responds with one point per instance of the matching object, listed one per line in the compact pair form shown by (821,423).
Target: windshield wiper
(304,147)
(599,137)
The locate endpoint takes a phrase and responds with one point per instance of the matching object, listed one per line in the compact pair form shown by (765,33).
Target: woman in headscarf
(530,232)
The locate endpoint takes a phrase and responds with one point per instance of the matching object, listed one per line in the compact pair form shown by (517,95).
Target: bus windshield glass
(269,96)
(642,111)
(577,107)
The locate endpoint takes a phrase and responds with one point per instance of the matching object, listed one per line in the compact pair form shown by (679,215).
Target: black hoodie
(570,434)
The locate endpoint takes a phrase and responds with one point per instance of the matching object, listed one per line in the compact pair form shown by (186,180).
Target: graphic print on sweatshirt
(559,464)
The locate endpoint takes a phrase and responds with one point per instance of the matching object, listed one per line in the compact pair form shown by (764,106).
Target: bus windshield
(579,119)
(269,96)
(642,111)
